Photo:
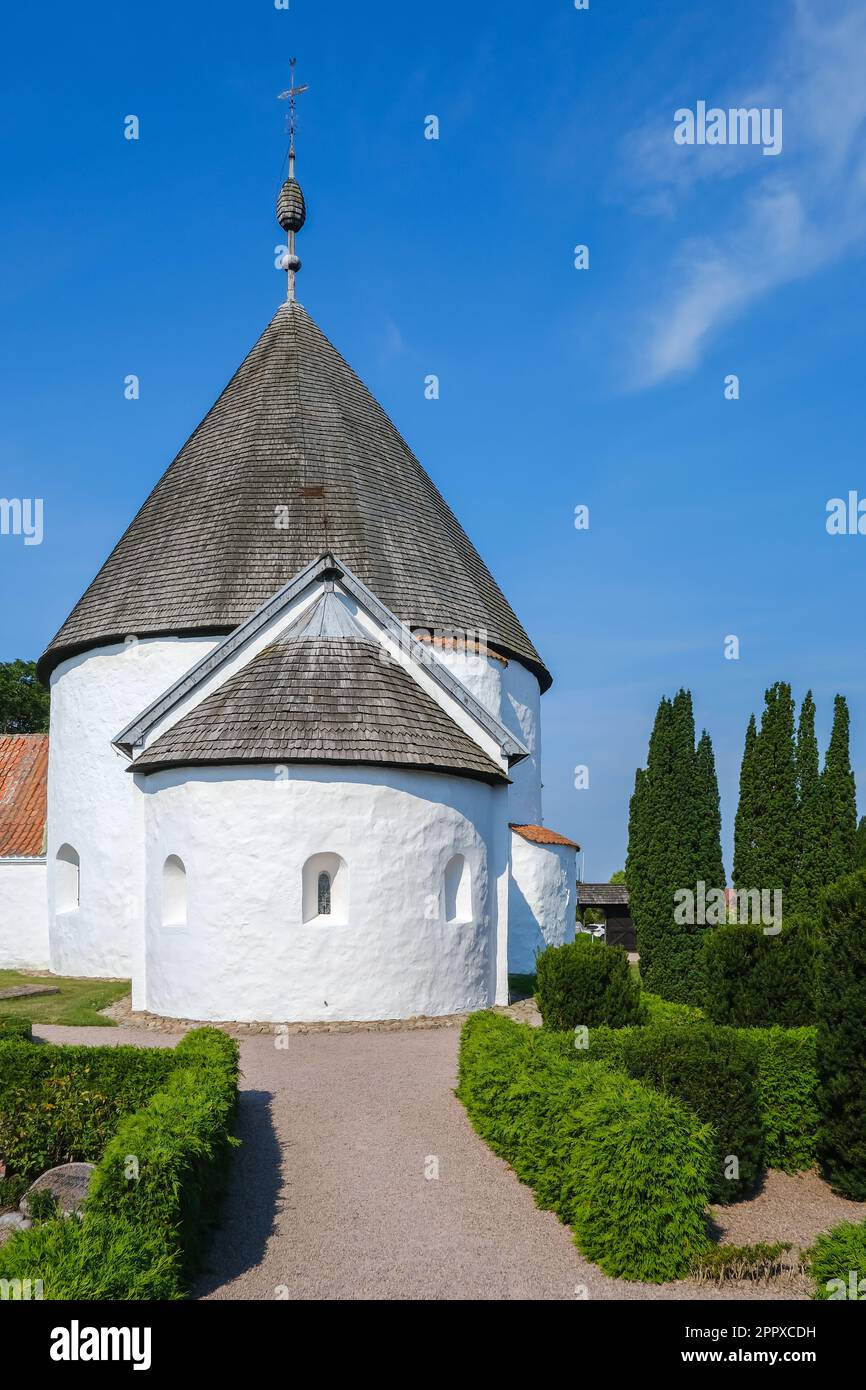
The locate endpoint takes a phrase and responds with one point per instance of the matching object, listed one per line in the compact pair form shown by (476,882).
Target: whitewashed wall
(513,695)
(23,915)
(541,900)
(244,834)
(92,800)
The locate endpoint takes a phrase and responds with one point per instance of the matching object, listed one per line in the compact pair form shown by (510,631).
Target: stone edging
(122,1014)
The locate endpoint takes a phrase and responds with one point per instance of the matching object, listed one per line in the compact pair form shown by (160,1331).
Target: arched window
(324,894)
(173,892)
(458,890)
(325,890)
(67,882)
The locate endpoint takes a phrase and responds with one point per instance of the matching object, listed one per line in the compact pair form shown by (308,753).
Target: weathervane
(291,210)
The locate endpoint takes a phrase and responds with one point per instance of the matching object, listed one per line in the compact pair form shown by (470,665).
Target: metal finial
(291,209)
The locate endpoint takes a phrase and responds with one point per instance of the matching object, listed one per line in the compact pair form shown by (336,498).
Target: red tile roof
(23,795)
(540,835)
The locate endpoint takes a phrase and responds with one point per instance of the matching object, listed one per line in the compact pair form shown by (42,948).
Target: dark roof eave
(492,778)
(53,656)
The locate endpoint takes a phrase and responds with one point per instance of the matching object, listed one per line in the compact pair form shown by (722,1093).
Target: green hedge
(842,1036)
(834,1258)
(786,1060)
(713,1072)
(15,1029)
(758,981)
(154,1193)
(60,1104)
(586,984)
(625,1166)
(659,1010)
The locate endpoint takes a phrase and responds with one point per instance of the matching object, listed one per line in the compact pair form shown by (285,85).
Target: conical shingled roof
(295,458)
(324,692)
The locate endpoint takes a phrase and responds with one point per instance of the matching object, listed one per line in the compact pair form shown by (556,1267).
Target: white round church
(295,731)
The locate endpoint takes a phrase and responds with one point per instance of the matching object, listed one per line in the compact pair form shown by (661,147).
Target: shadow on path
(252,1200)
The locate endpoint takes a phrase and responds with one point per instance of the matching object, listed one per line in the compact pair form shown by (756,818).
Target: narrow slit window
(324,894)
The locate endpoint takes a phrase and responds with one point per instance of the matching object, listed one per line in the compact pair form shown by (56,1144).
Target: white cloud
(781,223)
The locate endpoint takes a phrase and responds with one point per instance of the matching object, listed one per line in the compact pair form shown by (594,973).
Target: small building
(23,882)
(611,899)
(296,728)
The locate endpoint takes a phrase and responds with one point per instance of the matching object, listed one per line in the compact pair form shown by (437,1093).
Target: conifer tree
(744,822)
(673,843)
(708,827)
(810,872)
(839,799)
(768,826)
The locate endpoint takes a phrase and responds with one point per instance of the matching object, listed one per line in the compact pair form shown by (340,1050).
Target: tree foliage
(674,843)
(24,702)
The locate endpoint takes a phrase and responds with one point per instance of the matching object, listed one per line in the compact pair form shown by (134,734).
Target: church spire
(291,209)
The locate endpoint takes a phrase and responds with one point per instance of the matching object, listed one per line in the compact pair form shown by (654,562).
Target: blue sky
(559,387)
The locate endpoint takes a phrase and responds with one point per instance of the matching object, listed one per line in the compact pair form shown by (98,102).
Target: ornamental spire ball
(291,208)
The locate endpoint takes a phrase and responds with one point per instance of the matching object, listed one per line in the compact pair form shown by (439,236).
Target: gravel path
(329,1198)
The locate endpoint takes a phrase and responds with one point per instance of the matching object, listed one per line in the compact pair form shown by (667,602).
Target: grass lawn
(77,1002)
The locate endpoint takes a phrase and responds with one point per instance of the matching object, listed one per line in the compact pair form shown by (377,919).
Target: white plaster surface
(245,833)
(513,695)
(541,900)
(92,801)
(23,915)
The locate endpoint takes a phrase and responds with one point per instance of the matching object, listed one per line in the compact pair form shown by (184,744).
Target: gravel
(329,1195)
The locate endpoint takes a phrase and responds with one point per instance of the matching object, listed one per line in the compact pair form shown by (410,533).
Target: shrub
(753,980)
(787,1079)
(153,1194)
(625,1166)
(585,983)
(720,1262)
(15,1029)
(658,1010)
(835,1257)
(42,1205)
(713,1072)
(60,1104)
(842,1036)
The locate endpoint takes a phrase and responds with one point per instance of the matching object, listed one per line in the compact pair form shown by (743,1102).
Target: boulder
(69,1183)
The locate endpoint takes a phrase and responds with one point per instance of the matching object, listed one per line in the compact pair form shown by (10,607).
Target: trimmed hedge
(842,1036)
(586,984)
(833,1259)
(787,1069)
(15,1029)
(658,1010)
(60,1104)
(758,981)
(712,1071)
(154,1192)
(625,1166)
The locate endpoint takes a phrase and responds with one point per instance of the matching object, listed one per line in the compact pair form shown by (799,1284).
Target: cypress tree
(860,845)
(646,837)
(744,822)
(710,866)
(839,798)
(768,857)
(672,820)
(811,848)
